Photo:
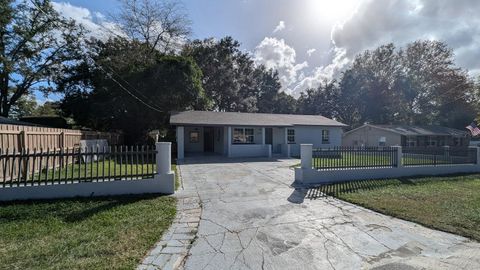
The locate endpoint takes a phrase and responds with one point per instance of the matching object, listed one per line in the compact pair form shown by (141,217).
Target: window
(325,136)
(430,141)
(243,135)
(382,141)
(456,141)
(291,135)
(411,141)
(194,136)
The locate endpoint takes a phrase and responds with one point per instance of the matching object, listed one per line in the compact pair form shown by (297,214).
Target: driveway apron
(253,219)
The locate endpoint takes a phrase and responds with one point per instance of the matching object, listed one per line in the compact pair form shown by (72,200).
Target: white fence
(162,181)
(307,174)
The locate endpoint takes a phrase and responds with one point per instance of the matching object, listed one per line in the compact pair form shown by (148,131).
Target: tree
(160,24)
(36,46)
(25,106)
(419,84)
(227,73)
(268,90)
(437,91)
(322,100)
(285,103)
(124,89)
(231,78)
(48,108)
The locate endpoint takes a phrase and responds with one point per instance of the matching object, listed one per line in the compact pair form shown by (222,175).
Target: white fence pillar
(165,177)
(164,158)
(306,155)
(180,142)
(399,156)
(263,135)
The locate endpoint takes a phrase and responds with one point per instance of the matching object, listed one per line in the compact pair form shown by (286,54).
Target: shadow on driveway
(334,189)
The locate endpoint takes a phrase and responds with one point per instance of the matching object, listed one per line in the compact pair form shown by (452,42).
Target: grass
(450,203)
(107,168)
(177,176)
(352,160)
(100,233)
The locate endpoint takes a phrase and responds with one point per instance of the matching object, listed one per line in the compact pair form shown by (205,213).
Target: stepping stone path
(171,250)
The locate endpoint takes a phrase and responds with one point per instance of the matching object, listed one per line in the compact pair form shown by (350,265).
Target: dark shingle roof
(8,121)
(422,130)
(249,119)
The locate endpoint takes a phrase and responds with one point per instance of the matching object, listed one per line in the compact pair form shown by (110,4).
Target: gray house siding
(193,147)
(370,136)
(313,135)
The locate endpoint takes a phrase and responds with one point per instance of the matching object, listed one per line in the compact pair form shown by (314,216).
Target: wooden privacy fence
(63,166)
(32,137)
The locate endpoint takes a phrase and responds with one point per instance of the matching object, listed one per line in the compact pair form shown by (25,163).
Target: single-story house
(406,136)
(235,134)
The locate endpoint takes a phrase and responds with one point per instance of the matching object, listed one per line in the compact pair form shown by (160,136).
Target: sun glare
(331,10)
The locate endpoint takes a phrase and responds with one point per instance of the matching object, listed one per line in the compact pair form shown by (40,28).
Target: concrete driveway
(253,219)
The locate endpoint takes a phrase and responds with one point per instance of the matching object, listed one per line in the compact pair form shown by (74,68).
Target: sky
(309,41)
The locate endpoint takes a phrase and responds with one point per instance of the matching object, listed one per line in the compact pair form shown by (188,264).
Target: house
(235,134)
(404,135)
(9,121)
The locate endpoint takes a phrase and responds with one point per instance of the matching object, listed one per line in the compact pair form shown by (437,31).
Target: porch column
(180,141)
(229,141)
(263,135)
(285,142)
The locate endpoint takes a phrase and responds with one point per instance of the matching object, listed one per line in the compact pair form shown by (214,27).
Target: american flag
(473,129)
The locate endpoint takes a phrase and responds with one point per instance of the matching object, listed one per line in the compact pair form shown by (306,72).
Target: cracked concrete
(253,219)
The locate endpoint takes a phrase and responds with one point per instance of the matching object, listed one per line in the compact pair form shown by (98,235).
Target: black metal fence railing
(354,157)
(433,156)
(72,165)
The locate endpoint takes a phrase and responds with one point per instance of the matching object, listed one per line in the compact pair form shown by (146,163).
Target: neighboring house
(404,135)
(47,121)
(8,121)
(234,134)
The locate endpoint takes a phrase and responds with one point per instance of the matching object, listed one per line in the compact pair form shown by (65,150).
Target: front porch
(232,141)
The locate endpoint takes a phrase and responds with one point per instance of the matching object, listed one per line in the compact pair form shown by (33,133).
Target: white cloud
(275,53)
(279,27)
(95,22)
(311,51)
(377,22)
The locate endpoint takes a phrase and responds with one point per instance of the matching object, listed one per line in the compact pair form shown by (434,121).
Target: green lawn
(446,203)
(177,176)
(100,169)
(348,160)
(352,160)
(100,233)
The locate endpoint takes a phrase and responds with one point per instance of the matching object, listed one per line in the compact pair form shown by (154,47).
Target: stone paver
(171,250)
(252,218)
